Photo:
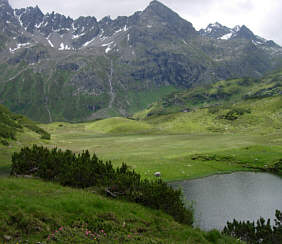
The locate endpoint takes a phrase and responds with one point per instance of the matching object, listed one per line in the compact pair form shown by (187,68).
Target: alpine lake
(242,196)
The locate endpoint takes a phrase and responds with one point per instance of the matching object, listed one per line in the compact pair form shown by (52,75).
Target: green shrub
(4,142)
(83,170)
(234,113)
(261,232)
(278,167)
(213,236)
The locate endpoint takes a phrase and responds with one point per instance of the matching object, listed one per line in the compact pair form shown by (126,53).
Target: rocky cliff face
(57,68)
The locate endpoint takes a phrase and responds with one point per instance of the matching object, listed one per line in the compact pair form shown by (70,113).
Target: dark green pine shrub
(277,168)
(83,171)
(260,233)
(4,142)
(234,113)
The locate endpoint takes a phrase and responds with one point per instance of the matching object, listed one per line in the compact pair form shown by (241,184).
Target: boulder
(157,174)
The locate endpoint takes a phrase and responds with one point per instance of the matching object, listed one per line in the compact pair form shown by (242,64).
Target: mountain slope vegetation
(11,123)
(228,101)
(54,68)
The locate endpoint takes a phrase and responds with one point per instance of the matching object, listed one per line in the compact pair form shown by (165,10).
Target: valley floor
(176,156)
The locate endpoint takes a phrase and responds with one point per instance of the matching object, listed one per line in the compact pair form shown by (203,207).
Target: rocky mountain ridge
(218,31)
(65,33)
(56,68)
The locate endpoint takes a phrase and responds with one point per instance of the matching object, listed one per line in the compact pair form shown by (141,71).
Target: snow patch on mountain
(64,47)
(109,46)
(50,42)
(226,37)
(78,36)
(89,42)
(19,45)
(236,28)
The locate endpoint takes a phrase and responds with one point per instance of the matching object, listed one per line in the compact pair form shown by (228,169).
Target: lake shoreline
(219,198)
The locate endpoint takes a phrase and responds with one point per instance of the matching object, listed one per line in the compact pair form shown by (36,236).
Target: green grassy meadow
(182,145)
(169,143)
(170,153)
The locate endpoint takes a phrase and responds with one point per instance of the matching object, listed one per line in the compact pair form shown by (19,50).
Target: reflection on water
(243,196)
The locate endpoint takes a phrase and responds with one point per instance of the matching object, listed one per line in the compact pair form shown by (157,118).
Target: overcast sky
(261,16)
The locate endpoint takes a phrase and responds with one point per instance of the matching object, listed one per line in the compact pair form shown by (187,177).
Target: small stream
(242,195)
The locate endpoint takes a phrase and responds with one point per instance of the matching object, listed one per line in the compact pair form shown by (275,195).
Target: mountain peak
(215,30)
(236,28)
(157,3)
(216,25)
(161,16)
(243,32)
(158,8)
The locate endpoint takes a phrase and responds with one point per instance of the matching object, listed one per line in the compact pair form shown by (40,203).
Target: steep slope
(56,68)
(221,93)
(45,212)
(11,123)
(16,131)
(238,105)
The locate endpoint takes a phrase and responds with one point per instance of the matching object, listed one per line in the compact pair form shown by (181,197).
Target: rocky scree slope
(55,68)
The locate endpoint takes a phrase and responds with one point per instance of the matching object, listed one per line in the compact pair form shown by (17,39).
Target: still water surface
(243,196)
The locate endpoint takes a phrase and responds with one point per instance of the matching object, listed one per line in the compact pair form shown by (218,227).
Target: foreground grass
(44,212)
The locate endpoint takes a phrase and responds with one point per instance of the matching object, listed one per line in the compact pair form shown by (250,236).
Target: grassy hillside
(16,131)
(11,123)
(261,116)
(119,125)
(48,213)
(220,94)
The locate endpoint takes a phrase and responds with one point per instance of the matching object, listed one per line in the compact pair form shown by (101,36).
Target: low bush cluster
(277,167)
(7,132)
(260,233)
(4,142)
(234,113)
(83,171)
